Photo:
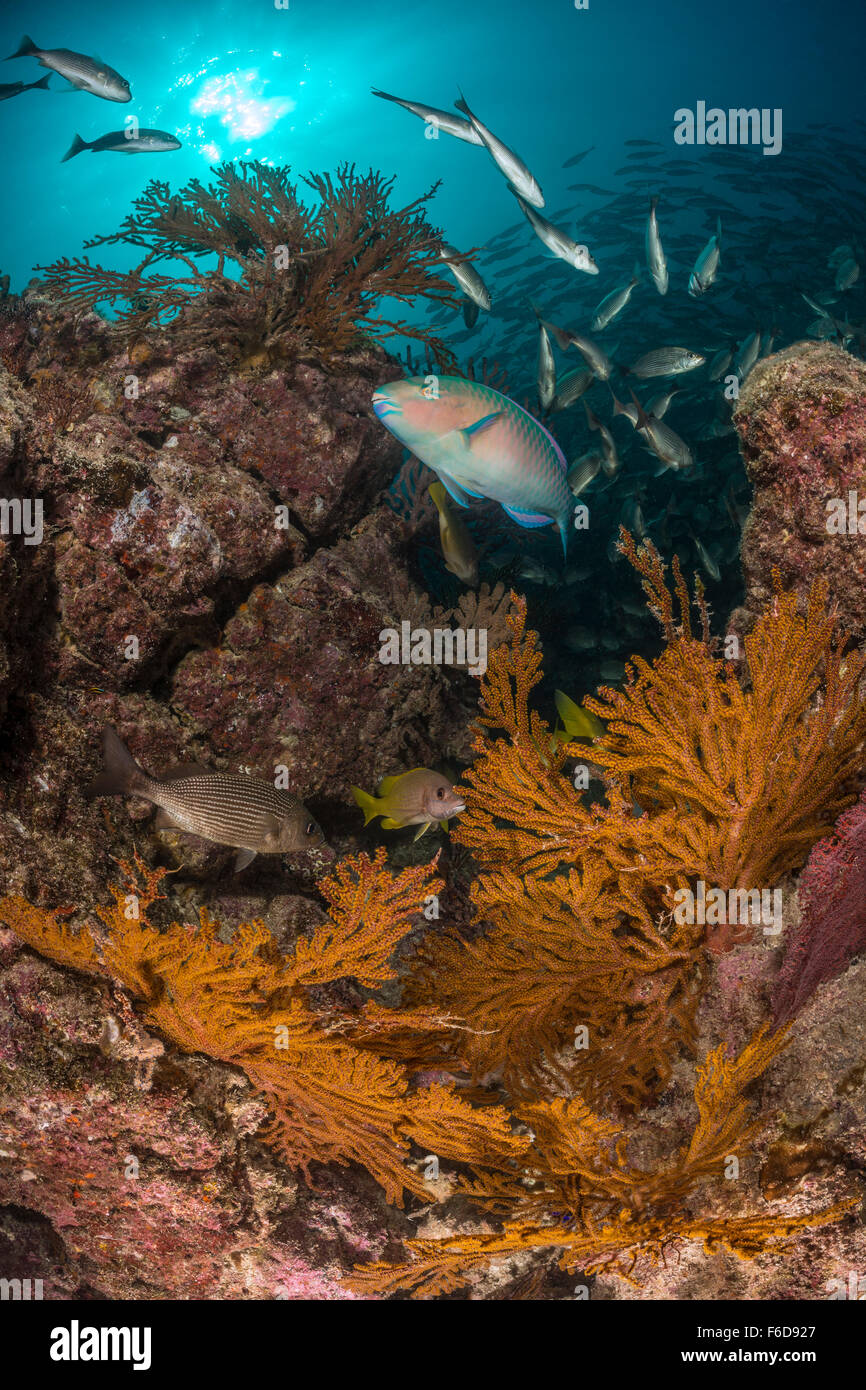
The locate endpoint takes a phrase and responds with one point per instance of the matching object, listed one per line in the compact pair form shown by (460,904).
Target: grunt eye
(311,828)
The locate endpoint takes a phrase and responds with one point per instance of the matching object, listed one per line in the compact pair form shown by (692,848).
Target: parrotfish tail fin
(367,804)
(43,82)
(25,48)
(121,774)
(75,148)
(564,524)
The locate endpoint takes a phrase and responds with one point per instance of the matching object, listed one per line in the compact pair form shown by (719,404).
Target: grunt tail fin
(25,48)
(75,148)
(121,775)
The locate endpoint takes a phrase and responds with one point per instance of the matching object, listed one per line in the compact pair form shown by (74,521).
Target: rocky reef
(215,567)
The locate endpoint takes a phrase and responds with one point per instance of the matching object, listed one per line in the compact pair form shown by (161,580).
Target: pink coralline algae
(832,927)
(801,418)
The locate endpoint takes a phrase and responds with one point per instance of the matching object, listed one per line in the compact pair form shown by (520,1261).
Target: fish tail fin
(591,418)
(563,522)
(460,103)
(385,95)
(121,774)
(25,48)
(654,202)
(43,82)
(367,804)
(75,148)
(642,418)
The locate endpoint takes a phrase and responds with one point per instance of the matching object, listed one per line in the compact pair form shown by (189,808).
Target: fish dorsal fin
(388,784)
(182,770)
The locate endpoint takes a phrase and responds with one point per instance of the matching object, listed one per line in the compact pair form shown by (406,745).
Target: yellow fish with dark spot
(419,797)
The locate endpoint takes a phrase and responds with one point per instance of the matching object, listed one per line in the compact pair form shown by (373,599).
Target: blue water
(292,86)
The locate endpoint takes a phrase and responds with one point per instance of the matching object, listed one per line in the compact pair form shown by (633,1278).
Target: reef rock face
(801,418)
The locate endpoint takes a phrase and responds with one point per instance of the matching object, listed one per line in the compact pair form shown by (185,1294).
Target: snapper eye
(440,792)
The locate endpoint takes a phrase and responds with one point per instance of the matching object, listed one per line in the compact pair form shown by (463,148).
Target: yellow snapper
(458,547)
(481,444)
(419,797)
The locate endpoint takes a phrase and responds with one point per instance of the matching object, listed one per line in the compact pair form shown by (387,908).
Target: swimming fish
(458,547)
(466,275)
(419,797)
(511,165)
(247,813)
(577,722)
(613,304)
(610,458)
(442,120)
(87,74)
(583,470)
(597,361)
(123,142)
(14,89)
(481,444)
(570,387)
(655,256)
(546,371)
(666,361)
(578,256)
(707,264)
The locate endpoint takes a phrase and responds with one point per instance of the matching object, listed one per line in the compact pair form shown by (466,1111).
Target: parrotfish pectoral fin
(480,425)
(242,858)
(459,494)
(367,804)
(528,519)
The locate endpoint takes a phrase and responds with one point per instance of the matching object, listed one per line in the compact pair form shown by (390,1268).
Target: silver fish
(747,355)
(655,256)
(466,276)
(707,264)
(661,404)
(671,451)
(578,256)
(847,274)
(719,364)
(546,375)
(442,120)
(583,470)
(247,813)
(610,458)
(571,386)
(510,164)
(14,89)
(666,361)
(612,304)
(122,142)
(87,74)
(707,560)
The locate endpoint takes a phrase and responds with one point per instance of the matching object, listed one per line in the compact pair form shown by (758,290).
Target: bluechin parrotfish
(480,444)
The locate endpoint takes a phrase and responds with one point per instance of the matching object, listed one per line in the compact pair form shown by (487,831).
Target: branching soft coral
(576,1192)
(244,1004)
(281,278)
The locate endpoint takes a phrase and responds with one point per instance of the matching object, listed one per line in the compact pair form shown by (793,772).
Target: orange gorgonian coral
(245,1004)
